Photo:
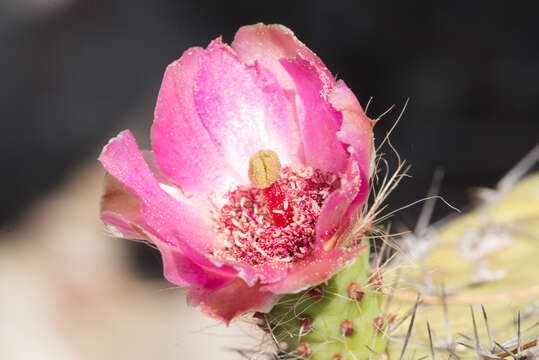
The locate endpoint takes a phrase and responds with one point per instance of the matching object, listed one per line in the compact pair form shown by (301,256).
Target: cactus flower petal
(232,300)
(268,44)
(356,128)
(318,268)
(338,209)
(183,149)
(318,123)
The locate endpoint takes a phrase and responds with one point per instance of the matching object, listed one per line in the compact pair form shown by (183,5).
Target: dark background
(74,73)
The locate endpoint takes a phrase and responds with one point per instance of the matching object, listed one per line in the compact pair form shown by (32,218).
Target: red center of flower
(276,223)
(277,205)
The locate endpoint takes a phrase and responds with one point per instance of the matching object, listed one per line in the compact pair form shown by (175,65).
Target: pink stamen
(249,214)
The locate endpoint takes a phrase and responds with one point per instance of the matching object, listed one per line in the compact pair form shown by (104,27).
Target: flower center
(275,223)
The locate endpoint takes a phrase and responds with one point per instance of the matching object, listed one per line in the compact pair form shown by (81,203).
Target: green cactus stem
(338,320)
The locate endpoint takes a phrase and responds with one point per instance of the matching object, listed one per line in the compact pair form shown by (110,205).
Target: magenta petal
(232,300)
(268,44)
(265,273)
(181,269)
(356,128)
(169,218)
(319,123)
(338,209)
(183,149)
(120,211)
(318,268)
(193,200)
(243,109)
(356,133)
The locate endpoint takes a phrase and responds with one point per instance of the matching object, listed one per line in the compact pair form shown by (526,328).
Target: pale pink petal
(194,200)
(356,128)
(161,178)
(268,44)
(266,273)
(318,122)
(243,109)
(180,268)
(183,149)
(120,210)
(314,270)
(232,301)
(339,206)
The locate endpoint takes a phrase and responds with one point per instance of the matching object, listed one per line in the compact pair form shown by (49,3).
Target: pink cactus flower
(260,163)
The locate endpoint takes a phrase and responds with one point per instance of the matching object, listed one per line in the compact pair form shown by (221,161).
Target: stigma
(264,168)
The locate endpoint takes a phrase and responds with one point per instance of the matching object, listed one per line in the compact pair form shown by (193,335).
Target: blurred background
(74,73)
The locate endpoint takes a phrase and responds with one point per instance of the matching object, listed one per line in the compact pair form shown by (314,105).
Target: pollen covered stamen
(252,232)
